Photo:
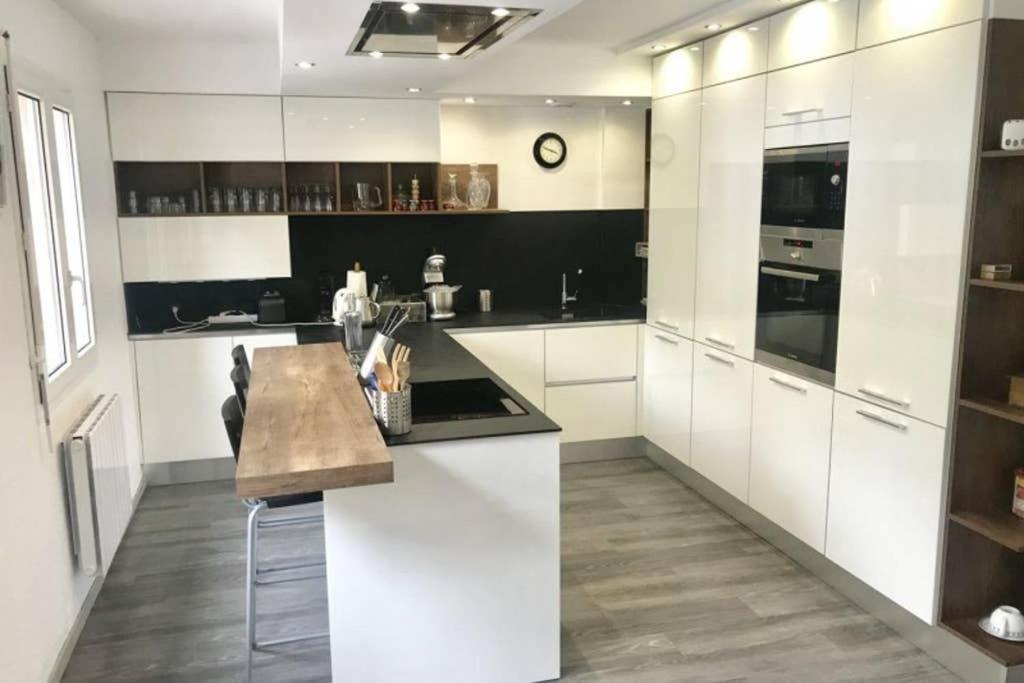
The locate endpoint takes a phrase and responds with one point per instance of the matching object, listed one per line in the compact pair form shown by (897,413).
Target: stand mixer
(440,296)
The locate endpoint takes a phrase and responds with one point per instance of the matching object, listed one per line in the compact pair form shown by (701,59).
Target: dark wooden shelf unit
(377,175)
(402,175)
(1002,153)
(461,171)
(171,179)
(984,550)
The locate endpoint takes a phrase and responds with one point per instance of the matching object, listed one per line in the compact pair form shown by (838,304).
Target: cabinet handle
(665,339)
(662,323)
(719,342)
(784,383)
(719,359)
(881,420)
(583,382)
(882,397)
(808,110)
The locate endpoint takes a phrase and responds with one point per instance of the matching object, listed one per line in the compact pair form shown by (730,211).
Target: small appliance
(1013,135)
(271,307)
(441,299)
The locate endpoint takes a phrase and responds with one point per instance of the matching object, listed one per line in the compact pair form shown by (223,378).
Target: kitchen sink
(592,312)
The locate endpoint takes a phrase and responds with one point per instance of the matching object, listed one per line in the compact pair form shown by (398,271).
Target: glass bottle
(452,201)
(478,191)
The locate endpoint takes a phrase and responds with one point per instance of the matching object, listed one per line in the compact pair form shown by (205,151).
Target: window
(56,230)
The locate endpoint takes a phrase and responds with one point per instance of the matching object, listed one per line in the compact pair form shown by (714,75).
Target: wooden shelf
(1002,153)
(1006,529)
(439,212)
(1008,285)
(1003,411)
(967,629)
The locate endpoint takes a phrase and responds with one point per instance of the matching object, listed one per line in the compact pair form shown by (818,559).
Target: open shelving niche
(984,552)
(179,179)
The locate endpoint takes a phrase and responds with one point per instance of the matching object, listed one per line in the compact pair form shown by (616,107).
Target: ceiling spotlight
(444,56)
(413,89)
(695,48)
(410,8)
(305,65)
(376,54)
(469,100)
(713,27)
(500,12)
(659,46)
(549,101)
(627,103)
(753,28)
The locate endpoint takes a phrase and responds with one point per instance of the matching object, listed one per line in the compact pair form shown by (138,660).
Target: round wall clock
(549,150)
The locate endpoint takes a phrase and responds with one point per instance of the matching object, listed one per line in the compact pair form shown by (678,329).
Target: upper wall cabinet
(812,31)
(677,71)
(885,20)
(148,127)
(354,129)
(736,54)
(811,92)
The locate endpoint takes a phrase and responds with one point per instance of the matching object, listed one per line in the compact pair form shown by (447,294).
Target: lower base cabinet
(601,410)
(667,386)
(517,356)
(790,443)
(885,502)
(720,446)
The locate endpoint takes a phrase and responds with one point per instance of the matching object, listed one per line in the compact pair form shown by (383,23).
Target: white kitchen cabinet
(184,248)
(667,385)
(592,353)
(674,198)
(810,92)
(736,54)
(361,129)
(885,502)
(909,181)
(791,437)
(517,356)
(731,156)
(720,424)
(885,20)
(823,132)
(598,410)
(814,30)
(677,72)
(169,127)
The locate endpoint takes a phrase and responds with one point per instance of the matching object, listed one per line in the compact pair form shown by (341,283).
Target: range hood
(389,29)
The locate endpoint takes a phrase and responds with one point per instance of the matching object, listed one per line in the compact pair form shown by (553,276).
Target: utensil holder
(382,342)
(393,410)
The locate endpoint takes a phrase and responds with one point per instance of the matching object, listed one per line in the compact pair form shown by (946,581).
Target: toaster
(271,307)
(1013,135)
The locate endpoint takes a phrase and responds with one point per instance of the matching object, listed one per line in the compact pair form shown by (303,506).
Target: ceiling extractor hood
(397,29)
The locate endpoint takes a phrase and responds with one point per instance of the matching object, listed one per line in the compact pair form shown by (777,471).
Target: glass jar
(478,191)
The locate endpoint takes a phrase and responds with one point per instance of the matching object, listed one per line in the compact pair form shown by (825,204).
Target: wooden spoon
(384,376)
(403,372)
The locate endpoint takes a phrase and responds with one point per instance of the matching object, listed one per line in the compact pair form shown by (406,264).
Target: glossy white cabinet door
(677,71)
(667,386)
(265,340)
(674,197)
(885,20)
(810,92)
(736,54)
(182,383)
(184,248)
(361,129)
(909,177)
(722,392)
(885,502)
(812,31)
(152,127)
(791,437)
(583,354)
(517,356)
(731,156)
(587,412)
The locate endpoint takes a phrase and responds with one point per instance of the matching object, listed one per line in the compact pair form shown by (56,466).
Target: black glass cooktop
(461,399)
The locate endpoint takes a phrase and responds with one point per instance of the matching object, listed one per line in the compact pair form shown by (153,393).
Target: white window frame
(79,363)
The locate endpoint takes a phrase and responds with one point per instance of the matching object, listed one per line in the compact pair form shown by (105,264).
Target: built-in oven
(798,301)
(805,187)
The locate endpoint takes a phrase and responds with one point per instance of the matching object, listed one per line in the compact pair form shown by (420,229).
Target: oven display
(803,244)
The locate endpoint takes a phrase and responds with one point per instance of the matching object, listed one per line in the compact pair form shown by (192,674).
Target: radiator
(96,476)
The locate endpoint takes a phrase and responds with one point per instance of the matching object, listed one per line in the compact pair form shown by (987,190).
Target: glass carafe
(478,191)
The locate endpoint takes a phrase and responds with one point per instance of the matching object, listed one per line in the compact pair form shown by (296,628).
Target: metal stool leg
(250,583)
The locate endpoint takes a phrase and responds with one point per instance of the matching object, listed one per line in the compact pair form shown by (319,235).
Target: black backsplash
(520,256)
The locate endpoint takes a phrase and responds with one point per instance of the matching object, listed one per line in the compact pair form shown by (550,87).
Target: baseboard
(189,471)
(957,656)
(603,449)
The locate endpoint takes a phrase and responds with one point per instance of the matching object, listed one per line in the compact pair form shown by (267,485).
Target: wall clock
(549,150)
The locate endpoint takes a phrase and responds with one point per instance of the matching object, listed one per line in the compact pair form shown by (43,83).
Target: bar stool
(240,378)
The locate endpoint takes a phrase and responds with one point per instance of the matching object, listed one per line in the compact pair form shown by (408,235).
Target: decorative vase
(478,191)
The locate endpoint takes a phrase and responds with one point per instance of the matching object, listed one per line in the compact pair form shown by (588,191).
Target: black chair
(234,424)
(241,382)
(241,360)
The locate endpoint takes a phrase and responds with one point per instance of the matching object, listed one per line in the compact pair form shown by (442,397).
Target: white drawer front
(593,411)
(811,92)
(584,354)
(812,31)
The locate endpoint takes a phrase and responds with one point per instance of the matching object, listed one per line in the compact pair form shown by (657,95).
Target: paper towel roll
(356,282)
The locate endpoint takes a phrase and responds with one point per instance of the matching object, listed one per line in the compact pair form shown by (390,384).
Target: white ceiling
(186,20)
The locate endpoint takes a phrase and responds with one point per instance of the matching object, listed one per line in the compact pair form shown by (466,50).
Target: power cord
(185,325)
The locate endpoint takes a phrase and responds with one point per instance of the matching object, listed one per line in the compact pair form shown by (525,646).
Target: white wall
(1006,9)
(604,168)
(40,592)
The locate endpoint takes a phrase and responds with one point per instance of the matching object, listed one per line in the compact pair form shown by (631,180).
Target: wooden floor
(657,585)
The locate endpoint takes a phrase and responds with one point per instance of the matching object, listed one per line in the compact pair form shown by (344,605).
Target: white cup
(1007,621)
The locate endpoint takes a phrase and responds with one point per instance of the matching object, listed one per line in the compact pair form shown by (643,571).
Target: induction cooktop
(461,399)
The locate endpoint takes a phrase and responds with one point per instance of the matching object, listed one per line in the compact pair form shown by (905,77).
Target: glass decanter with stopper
(478,191)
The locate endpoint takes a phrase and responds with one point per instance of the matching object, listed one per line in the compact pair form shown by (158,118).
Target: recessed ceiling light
(713,27)
(695,48)
(549,101)
(413,89)
(444,56)
(469,100)
(376,54)
(305,65)
(500,12)
(659,46)
(410,8)
(753,28)
(627,103)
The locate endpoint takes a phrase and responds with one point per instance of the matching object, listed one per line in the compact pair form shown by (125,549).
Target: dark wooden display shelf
(1003,651)
(1004,411)
(1006,529)
(1002,153)
(1007,285)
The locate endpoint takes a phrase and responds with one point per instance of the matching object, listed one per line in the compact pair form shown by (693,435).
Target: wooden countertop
(307,425)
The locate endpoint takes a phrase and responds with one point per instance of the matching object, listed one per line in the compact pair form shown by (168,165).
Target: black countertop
(436,356)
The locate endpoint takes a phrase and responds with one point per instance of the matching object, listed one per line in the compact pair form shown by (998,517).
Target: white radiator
(96,472)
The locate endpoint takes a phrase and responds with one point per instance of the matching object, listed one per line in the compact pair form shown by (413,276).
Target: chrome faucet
(566,298)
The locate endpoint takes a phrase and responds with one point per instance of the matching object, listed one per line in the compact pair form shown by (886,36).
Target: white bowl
(1005,623)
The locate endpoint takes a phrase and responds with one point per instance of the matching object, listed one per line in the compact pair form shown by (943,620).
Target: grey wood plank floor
(658,585)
